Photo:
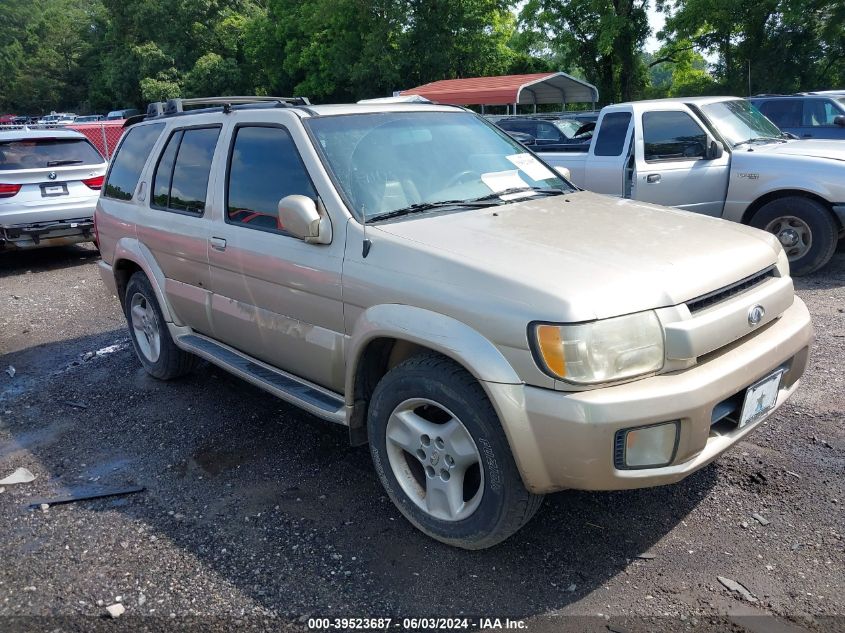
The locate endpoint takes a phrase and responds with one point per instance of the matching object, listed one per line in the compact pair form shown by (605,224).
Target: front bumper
(566,440)
(52,233)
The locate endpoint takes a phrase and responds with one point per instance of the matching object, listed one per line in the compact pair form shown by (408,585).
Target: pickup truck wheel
(805,229)
(441,453)
(150,337)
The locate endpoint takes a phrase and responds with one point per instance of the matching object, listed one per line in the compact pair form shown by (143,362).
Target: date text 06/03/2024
(415,624)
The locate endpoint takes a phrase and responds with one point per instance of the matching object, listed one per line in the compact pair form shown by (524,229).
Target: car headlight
(600,351)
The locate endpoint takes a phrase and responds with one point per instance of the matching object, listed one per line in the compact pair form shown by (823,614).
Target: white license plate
(53,190)
(760,398)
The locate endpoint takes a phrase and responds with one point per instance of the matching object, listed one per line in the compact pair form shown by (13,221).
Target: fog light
(646,446)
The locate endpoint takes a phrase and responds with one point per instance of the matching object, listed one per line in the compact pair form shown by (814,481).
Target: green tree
(765,45)
(602,38)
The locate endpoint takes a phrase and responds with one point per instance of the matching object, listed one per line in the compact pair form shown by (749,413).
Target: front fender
(435,331)
(129,248)
(750,182)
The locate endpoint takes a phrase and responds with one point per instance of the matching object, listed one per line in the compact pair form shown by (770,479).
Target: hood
(811,148)
(583,256)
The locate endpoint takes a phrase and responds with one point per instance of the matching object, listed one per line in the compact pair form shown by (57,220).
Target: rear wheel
(442,455)
(151,339)
(805,228)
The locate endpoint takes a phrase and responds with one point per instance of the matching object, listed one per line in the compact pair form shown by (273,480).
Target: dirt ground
(258,516)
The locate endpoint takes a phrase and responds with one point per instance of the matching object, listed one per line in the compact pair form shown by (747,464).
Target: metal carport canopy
(531,89)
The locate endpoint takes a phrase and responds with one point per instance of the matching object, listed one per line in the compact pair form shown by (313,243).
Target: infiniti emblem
(755,315)
(51,175)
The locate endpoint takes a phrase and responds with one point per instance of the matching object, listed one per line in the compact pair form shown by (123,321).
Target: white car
(49,184)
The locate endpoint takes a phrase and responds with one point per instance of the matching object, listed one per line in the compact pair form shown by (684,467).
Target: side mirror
(714,150)
(839,120)
(563,171)
(300,217)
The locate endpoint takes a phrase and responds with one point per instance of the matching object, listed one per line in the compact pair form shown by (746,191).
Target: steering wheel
(463,176)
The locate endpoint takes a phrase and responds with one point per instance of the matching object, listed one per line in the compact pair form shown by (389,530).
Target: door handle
(652,178)
(218,243)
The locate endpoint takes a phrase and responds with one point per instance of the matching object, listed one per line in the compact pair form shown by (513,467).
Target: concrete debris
(760,519)
(20,476)
(734,586)
(116,610)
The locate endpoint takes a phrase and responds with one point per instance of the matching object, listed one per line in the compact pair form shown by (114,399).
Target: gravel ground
(256,515)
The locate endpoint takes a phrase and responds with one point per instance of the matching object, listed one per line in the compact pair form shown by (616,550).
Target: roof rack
(175,106)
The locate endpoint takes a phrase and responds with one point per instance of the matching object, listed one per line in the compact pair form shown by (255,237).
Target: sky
(655,20)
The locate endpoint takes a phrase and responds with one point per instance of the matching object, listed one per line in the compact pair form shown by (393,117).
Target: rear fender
(129,248)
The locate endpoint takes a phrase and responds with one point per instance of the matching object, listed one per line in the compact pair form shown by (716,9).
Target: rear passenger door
(672,168)
(274,297)
(175,222)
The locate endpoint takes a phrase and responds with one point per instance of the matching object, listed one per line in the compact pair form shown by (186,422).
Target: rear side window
(131,156)
(43,153)
(783,112)
(672,136)
(264,167)
(612,134)
(180,182)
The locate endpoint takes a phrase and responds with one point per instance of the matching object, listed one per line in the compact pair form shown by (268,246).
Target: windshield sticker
(503,180)
(533,168)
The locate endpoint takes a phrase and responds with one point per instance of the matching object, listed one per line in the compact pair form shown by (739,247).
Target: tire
(162,360)
(416,403)
(804,219)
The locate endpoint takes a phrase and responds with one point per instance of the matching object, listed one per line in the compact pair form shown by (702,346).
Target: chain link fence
(105,135)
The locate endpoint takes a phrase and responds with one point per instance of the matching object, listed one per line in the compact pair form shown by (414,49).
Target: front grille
(712,298)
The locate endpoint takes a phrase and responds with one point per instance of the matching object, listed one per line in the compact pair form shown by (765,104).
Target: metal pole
(105,140)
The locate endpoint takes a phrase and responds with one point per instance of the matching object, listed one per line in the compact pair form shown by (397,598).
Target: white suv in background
(49,184)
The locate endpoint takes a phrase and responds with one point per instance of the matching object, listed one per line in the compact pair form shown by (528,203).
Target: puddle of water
(215,462)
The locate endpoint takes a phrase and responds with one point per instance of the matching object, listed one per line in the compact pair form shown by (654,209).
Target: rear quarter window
(129,161)
(612,134)
(43,153)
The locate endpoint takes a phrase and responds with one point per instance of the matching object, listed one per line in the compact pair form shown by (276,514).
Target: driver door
(671,167)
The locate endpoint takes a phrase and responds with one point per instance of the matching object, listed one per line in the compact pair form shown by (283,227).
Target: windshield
(739,122)
(568,126)
(388,161)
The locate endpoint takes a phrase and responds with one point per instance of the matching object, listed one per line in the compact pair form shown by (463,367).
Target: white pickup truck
(719,156)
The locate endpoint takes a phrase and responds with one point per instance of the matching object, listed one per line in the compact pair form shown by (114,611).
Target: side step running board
(316,400)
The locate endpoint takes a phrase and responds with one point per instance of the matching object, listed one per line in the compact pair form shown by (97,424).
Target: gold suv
(413,273)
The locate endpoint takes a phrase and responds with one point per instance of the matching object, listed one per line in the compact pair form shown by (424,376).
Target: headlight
(600,351)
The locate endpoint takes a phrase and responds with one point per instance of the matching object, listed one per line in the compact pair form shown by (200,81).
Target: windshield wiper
(760,139)
(488,200)
(505,192)
(56,163)
(426,206)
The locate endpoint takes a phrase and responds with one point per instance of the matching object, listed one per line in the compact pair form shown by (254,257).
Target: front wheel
(442,456)
(805,228)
